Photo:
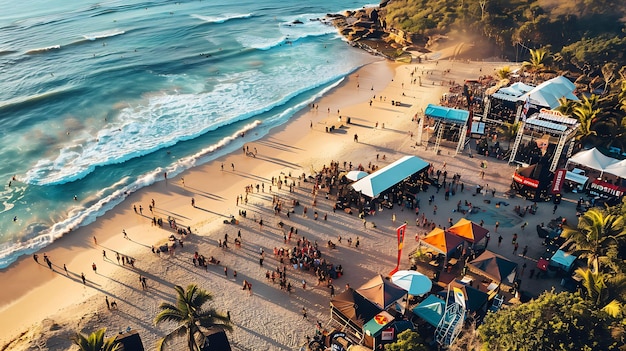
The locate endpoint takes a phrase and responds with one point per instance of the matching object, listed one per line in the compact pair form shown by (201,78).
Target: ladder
(518,140)
(450,325)
(439,127)
(557,153)
(463,140)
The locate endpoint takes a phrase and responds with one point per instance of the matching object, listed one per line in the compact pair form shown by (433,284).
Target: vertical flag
(401,230)
(526,108)
(459,297)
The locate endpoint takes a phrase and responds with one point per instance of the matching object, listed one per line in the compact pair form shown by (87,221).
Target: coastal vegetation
(191,318)
(584,33)
(591,318)
(95,341)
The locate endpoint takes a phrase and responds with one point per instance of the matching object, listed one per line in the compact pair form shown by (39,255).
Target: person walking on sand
(193,202)
(94,267)
(233,166)
(304,316)
(124,232)
(82,276)
(95,241)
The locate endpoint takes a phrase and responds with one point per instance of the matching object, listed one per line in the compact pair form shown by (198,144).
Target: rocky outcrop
(366,28)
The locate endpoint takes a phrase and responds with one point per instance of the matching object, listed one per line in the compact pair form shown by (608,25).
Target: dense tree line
(583,31)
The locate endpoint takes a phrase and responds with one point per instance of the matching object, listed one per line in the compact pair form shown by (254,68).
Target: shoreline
(293,147)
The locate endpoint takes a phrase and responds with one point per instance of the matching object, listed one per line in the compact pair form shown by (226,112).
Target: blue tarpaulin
(447,114)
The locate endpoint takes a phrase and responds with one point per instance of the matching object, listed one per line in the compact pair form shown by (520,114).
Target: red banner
(606,188)
(557,182)
(533,183)
(401,232)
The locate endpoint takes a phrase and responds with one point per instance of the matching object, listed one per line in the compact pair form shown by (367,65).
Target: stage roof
(512,92)
(548,93)
(386,177)
(447,114)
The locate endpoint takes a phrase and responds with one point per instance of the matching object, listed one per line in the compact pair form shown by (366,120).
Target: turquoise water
(99,99)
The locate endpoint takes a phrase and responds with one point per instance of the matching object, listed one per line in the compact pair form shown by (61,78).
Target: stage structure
(544,96)
(552,124)
(444,116)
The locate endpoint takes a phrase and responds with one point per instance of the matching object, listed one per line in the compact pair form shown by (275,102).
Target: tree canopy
(563,321)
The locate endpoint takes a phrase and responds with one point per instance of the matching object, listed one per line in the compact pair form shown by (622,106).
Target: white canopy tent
(386,177)
(594,159)
(548,93)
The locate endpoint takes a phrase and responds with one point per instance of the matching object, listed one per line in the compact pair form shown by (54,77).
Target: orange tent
(469,230)
(441,241)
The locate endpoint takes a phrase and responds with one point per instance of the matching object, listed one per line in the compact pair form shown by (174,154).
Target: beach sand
(45,307)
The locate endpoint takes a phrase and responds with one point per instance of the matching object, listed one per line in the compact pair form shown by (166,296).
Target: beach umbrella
(356,175)
(415,283)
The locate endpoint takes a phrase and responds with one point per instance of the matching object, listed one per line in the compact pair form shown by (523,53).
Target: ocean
(100,99)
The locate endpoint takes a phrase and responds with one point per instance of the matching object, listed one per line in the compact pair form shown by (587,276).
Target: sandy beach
(42,306)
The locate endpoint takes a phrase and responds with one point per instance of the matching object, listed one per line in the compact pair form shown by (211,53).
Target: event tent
(441,241)
(353,308)
(594,159)
(548,93)
(431,310)
(512,92)
(474,298)
(468,230)
(446,114)
(563,260)
(386,177)
(381,292)
(494,266)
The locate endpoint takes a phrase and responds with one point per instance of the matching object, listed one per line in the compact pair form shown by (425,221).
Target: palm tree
(95,341)
(192,319)
(504,72)
(566,106)
(603,290)
(597,231)
(538,61)
(587,112)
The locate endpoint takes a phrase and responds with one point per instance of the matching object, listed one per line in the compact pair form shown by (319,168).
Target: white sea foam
(222,18)
(81,216)
(43,50)
(104,34)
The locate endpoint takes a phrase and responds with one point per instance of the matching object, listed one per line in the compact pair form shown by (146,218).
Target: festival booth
(351,311)
(495,267)
(611,172)
(444,244)
(468,230)
(396,184)
(475,300)
(444,116)
(366,313)
(532,182)
(376,183)
(563,260)
(431,310)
